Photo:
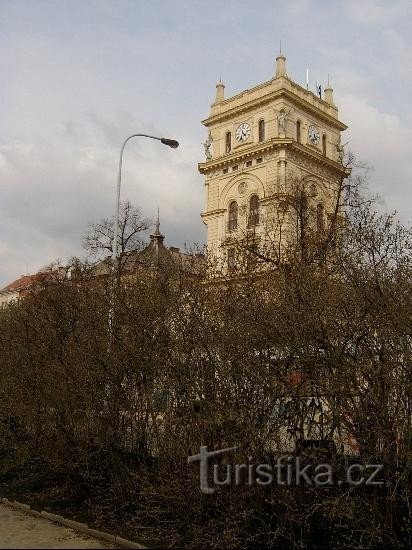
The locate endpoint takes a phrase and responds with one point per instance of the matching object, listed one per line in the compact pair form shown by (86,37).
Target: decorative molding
(235,157)
(269,147)
(254,104)
(211,213)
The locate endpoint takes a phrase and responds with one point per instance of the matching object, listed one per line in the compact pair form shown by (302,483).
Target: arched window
(233,211)
(231,258)
(261,130)
(319,218)
(298,138)
(228,142)
(253,211)
(324,144)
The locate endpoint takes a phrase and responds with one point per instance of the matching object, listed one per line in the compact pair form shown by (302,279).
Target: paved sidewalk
(20,530)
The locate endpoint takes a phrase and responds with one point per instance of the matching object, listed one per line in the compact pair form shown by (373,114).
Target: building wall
(272,167)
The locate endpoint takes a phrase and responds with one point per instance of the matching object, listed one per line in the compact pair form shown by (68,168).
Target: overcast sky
(78,76)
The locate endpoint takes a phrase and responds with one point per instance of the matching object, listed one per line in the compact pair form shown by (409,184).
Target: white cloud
(383,141)
(51,191)
(81,76)
(370,12)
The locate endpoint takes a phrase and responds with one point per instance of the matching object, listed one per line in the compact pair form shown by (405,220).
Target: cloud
(369,12)
(51,191)
(81,76)
(383,141)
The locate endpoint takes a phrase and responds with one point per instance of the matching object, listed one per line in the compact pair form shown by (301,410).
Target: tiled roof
(25,282)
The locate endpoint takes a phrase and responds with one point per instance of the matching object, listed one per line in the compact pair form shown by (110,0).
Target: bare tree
(98,240)
(276,355)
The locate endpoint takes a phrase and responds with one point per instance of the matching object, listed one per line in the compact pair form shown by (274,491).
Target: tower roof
(157,238)
(279,86)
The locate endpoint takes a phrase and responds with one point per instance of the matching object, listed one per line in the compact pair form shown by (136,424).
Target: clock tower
(260,143)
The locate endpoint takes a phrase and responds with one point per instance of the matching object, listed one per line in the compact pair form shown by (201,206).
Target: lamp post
(171,143)
(166,141)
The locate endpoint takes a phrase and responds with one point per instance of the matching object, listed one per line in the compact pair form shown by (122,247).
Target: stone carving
(340,151)
(242,188)
(208,145)
(282,117)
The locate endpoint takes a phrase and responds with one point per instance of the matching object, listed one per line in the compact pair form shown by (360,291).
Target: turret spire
(329,93)
(156,237)
(280,65)
(220,91)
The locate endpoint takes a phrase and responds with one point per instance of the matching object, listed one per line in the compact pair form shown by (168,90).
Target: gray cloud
(79,76)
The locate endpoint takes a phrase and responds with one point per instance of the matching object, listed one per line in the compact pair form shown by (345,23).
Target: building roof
(154,256)
(25,282)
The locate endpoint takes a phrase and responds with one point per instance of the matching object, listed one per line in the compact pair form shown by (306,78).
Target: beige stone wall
(268,168)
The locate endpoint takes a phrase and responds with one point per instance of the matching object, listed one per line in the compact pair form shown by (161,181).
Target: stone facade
(289,135)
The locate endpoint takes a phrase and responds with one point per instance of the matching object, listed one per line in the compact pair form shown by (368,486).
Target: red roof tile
(26,281)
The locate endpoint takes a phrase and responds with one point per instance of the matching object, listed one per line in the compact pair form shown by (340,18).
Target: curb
(75,525)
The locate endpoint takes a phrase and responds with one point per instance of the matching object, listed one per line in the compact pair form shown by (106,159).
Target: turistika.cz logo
(285,471)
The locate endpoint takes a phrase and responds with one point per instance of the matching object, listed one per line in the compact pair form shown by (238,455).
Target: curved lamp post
(166,141)
(171,143)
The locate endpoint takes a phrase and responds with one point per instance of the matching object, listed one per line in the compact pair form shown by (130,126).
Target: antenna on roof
(280,46)
(307,79)
(328,80)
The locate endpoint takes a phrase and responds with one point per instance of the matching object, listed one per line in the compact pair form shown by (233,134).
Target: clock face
(313,135)
(243,132)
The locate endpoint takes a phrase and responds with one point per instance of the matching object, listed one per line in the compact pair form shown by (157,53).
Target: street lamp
(166,141)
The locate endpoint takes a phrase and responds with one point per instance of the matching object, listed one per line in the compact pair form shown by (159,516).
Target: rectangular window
(234,168)
(228,142)
(225,170)
(233,213)
(253,211)
(259,161)
(261,130)
(298,138)
(249,163)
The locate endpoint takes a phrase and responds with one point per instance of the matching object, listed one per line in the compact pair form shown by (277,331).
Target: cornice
(274,197)
(266,147)
(215,212)
(314,154)
(243,154)
(267,98)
